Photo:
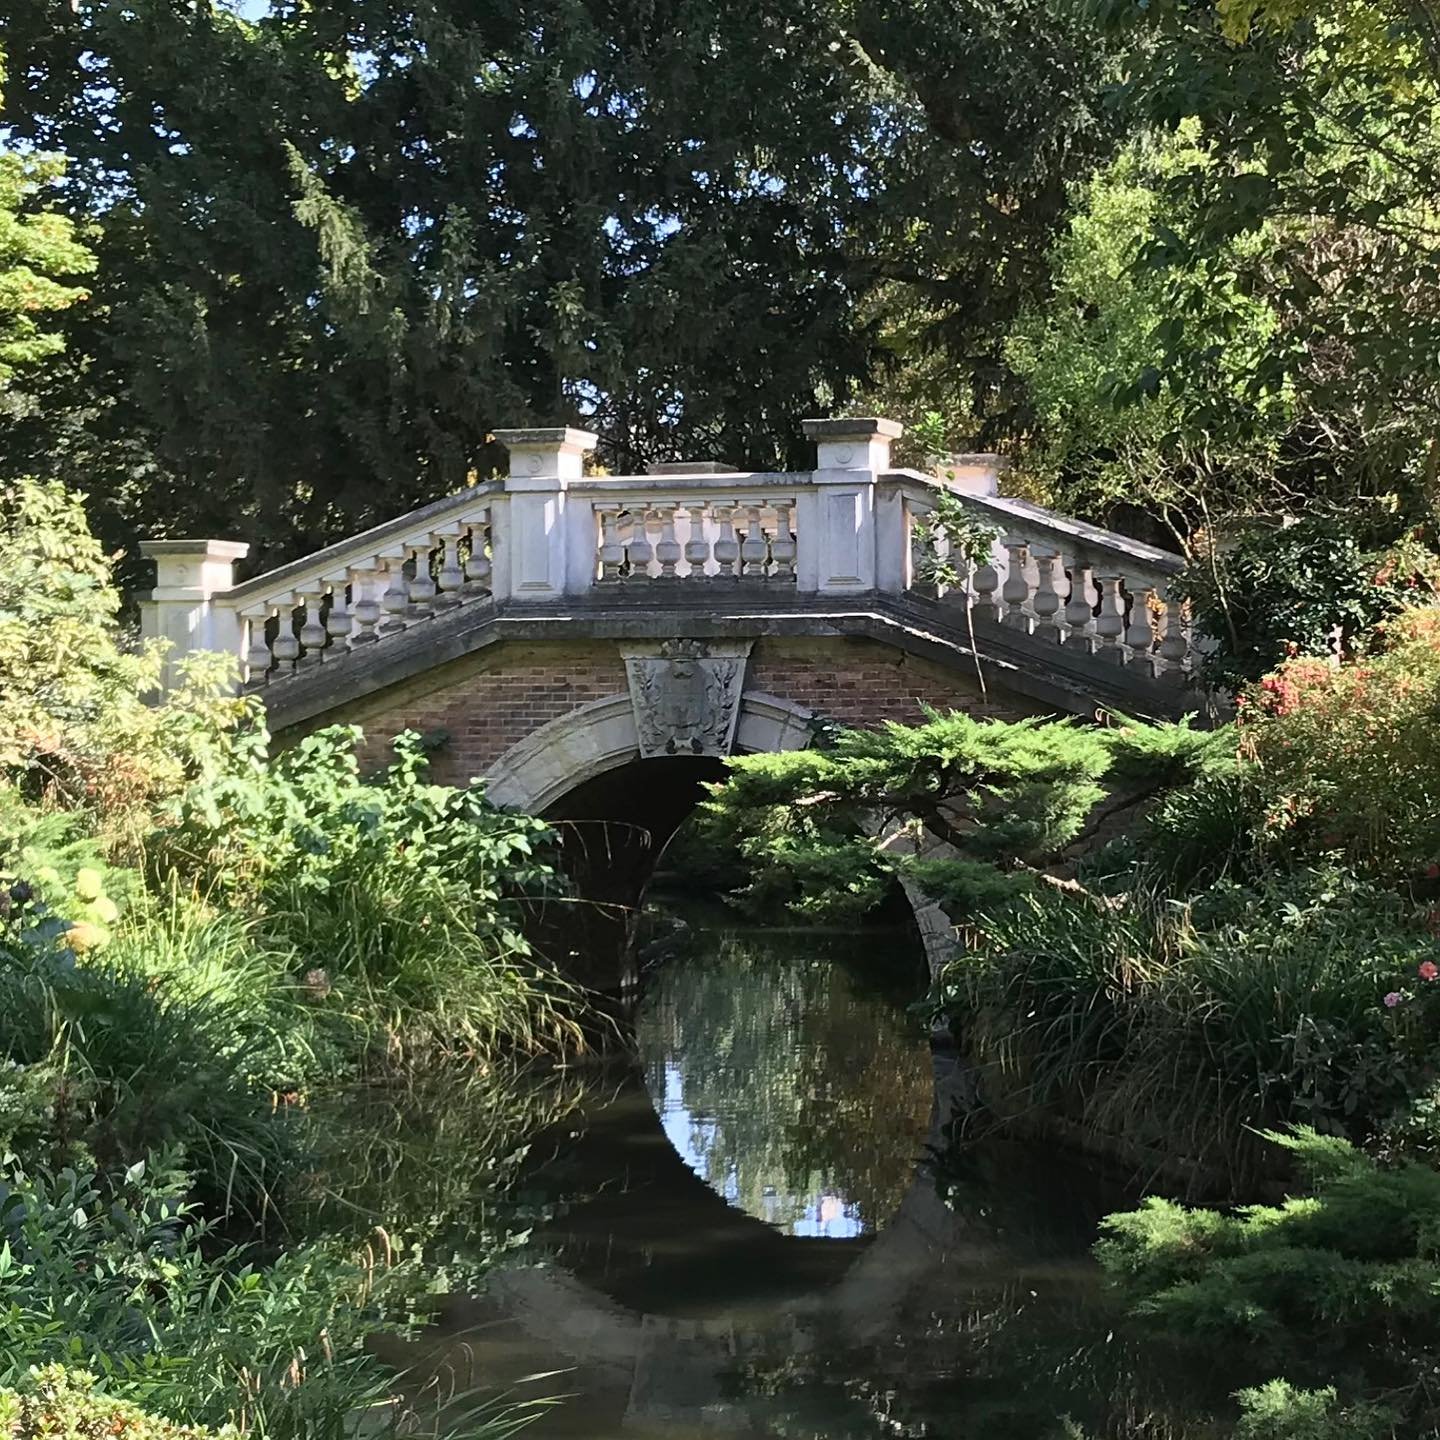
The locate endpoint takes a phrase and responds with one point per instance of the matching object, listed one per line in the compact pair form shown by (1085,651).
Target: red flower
(1429,970)
(1432,871)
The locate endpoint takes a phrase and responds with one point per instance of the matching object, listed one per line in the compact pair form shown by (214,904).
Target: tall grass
(179,1033)
(1188,1027)
(401,960)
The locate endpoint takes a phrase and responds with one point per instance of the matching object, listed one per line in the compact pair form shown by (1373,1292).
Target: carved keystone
(686,695)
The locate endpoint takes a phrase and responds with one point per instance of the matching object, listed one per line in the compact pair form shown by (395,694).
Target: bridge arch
(539,771)
(565,756)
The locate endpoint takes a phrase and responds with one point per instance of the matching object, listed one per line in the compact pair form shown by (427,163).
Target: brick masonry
(487,702)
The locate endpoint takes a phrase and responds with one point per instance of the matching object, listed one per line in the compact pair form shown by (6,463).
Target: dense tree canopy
(339,242)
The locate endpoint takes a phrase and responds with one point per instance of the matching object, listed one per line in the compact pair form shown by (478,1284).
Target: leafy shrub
(53,1401)
(1347,758)
(1278,1410)
(399,899)
(1338,1290)
(1326,580)
(118,1274)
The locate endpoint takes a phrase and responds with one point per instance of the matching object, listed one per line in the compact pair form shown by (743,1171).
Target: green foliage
(998,792)
(1278,1410)
(1181,1027)
(118,1274)
(53,1401)
(399,899)
(1110,431)
(1316,587)
(38,251)
(953,541)
(1323,122)
(1336,1290)
(179,1032)
(1167,753)
(75,730)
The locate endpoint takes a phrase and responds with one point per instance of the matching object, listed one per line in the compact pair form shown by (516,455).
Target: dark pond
(740,1233)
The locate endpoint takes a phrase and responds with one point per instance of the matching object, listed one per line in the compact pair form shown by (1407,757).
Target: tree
(341,242)
(38,251)
(1320,118)
(1111,434)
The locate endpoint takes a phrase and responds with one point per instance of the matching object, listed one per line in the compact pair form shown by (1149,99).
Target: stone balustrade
(547,534)
(1058,579)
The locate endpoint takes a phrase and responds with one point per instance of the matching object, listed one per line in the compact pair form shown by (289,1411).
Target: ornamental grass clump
(1177,1028)
(178,1032)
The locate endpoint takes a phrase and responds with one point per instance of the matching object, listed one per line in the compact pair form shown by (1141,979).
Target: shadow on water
(742,1235)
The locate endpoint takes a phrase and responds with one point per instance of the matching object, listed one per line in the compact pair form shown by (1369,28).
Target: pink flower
(1393,999)
(1429,969)
(1432,871)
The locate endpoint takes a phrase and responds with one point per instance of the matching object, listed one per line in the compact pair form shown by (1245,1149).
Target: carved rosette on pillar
(686,694)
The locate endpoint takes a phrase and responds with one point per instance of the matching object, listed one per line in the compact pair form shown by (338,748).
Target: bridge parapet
(548,540)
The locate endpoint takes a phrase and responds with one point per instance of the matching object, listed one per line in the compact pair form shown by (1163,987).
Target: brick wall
(862,682)
(487,702)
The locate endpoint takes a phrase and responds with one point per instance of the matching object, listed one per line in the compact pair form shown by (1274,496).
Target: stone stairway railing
(547,536)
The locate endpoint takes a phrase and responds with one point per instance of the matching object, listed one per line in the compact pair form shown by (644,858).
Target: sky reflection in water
(792,1085)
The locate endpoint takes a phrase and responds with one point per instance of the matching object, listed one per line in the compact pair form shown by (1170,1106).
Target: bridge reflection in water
(746,1230)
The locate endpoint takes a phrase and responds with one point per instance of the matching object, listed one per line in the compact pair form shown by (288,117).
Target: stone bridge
(594,645)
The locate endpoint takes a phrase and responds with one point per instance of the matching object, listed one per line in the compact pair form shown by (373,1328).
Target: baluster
(1046,602)
(1175,643)
(612,550)
(338,621)
(986,581)
(477,562)
(422,582)
(639,552)
(1111,622)
(258,658)
(365,606)
(451,577)
(697,545)
(1140,633)
(754,548)
(1080,610)
(286,648)
(395,602)
(313,635)
(1016,590)
(668,551)
(727,548)
(923,553)
(783,547)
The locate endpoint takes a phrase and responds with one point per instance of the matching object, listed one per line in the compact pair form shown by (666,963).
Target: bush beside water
(202,948)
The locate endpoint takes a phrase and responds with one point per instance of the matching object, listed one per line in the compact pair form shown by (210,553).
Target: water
(741,1234)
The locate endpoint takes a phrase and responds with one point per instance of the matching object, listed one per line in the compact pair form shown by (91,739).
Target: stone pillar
(189,574)
(538,548)
(836,527)
(971,474)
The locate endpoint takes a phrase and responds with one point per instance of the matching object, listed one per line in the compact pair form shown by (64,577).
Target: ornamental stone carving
(686,695)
